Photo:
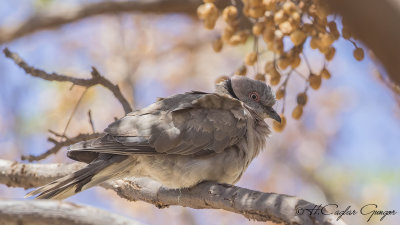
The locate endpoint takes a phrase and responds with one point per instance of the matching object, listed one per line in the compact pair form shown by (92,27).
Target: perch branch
(251,204)
(46,212)
(96,78)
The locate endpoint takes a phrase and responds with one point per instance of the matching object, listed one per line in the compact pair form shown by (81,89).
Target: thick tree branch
(39,22)
(375,22)
(251,204)
(43,212)
(95,80)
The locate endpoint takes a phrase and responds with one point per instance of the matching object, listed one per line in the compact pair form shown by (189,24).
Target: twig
(256,48)
(58,145)
(96,78)
(254,205)
(91,121)
(307,62)
(284,85)
(43,21)
(74,110)
(56,134)
(301,75)
(354,43)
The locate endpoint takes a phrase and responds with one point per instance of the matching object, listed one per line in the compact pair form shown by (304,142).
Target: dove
(179,141)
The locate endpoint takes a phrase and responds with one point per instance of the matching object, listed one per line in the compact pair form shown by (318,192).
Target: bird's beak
(273,115)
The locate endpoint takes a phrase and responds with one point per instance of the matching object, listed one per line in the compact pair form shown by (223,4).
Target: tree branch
(251,204)
(42,21)
(96,78)
(49,212)
(60,144)
(380,32)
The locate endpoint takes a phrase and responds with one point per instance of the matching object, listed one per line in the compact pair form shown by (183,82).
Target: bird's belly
(186,171)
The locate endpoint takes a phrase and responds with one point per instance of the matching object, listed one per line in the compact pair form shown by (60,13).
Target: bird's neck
(225,87)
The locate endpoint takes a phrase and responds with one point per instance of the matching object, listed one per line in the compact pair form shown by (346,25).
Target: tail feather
(105,168)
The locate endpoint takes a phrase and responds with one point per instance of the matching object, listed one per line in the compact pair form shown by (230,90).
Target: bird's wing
(191,123)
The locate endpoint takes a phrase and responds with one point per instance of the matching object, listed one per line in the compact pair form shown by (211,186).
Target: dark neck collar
(230,89)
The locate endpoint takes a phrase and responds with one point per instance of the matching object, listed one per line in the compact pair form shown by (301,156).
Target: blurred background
(344,149)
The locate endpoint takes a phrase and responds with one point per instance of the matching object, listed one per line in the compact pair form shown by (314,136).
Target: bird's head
(255,94)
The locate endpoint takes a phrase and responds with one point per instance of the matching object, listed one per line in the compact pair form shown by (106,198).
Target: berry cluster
(273,21)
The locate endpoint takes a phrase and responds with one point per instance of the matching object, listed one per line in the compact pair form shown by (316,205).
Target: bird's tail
(100,170)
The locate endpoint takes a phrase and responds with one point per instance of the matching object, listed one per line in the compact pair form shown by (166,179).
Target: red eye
(254,96)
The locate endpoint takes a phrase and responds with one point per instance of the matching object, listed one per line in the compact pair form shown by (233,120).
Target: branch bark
(251,204)
(49,212)
(95,80)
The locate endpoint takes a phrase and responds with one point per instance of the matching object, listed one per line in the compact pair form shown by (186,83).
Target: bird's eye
(254,96)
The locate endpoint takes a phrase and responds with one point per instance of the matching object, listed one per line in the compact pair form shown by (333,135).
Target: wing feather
(192,123)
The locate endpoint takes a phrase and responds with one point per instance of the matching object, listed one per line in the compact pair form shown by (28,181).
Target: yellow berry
(295,61)
(297,37)
(256,12)
(295,17)
(323,49)
(241,71)
(239,38)
(297,112)
(358,54)
(258,28)
(274,72)
(269,66)
(269,4)
(278,127)
(207,10)
(289,7)
(209,23)
(275,79)
(330,53)
(221,78)
(326,39)
(314,43)
(269,35)
(228,32)
(255,3)
(284,62)
(235,40)
(217,45)
(346,34)
(260,77)
(201,11)
(308,29)
(278,46)
(280,93)
(315,81)
(229,14)
(302,98)
(286,27)
(251,58)
(280,17)
(333,29)
(325,74)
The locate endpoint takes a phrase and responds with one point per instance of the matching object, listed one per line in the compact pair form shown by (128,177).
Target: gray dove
(178,141)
